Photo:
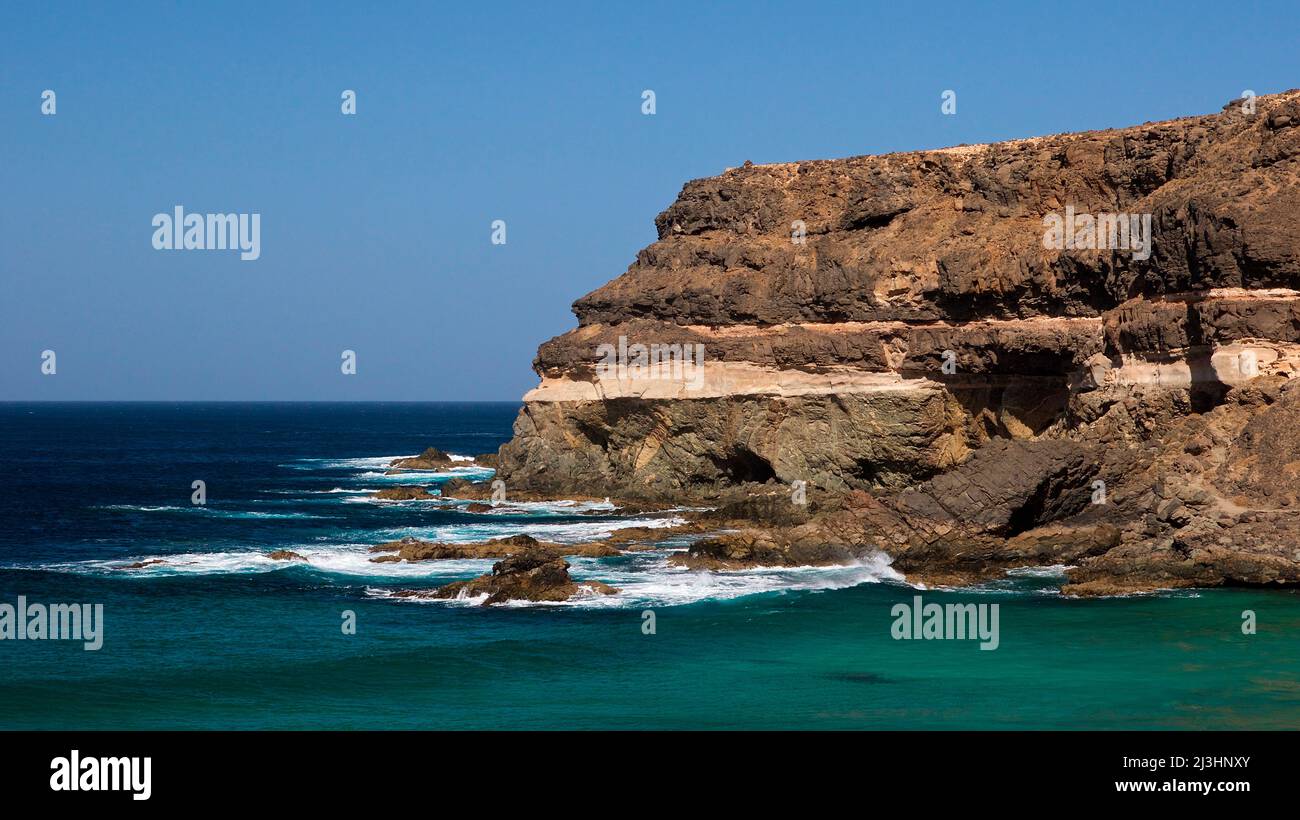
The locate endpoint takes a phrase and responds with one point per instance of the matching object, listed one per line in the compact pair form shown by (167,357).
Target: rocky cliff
(1069,349)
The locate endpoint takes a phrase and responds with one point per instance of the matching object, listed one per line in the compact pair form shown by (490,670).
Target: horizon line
(261,401)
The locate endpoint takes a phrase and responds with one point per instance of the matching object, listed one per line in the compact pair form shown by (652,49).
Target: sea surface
(220,636)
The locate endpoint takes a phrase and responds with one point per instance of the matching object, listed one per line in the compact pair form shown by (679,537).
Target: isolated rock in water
(404,493)
(478,507)
(413,549)
(532,575)
(914,340)
(142,564)
(430,459)
(284,555)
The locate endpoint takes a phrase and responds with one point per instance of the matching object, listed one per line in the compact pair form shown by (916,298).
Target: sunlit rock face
(876,323)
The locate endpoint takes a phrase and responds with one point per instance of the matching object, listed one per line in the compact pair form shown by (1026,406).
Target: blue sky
(376,227)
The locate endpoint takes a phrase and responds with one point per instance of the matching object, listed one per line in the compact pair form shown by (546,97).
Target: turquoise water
(222,638)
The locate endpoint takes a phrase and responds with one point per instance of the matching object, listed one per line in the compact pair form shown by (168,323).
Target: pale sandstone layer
(1166,377)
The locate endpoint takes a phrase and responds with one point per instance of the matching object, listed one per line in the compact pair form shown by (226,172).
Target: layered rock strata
(958,381)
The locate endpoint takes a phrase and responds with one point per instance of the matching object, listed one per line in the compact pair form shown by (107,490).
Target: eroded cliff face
(952,380)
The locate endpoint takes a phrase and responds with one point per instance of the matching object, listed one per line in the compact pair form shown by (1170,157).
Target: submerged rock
(142,564)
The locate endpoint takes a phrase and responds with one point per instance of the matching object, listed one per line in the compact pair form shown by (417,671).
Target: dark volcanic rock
(430,459)
(413,549)
(142,564)
(532,575)
(404,493)
(956,234)
(1216,503)
(957,521)
(945,386)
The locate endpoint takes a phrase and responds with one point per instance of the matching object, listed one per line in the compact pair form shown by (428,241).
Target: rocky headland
(896,354)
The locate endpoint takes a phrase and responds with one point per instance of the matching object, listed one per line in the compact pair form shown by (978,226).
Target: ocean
(218,636)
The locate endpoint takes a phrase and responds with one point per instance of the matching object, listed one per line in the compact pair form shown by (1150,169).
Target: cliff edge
(1075,349)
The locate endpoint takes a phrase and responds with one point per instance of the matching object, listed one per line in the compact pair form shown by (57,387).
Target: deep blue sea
(219,636)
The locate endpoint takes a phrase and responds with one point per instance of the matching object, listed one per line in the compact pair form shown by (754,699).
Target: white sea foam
(377,468)
(571,532)
(407,476)
(186,563)
(369,462)
(1037,580)
(212,511)
(649,580)
(463,598)
(355,560)
(552,508)
(1054,571)
(339,559)
(645,578)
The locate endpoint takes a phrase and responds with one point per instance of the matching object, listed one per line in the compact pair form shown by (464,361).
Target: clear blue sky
(376,228)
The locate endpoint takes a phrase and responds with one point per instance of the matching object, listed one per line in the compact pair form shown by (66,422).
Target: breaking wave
(645,577)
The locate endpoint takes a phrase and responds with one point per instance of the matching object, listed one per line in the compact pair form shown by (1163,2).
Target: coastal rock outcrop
(404,493)
(530,575)
(1075,349)
(460,489)
(413,549)
(431,459)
